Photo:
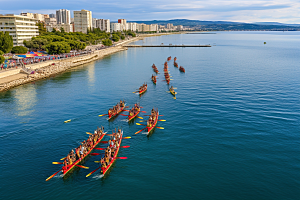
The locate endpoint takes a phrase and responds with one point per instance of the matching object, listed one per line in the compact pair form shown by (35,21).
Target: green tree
(19,50)
(2,59)
(62,30)
(1,53)
(6,42)
(122,37)
(58,47)
(36,43)
(115,37)
(107,42)
(42,28)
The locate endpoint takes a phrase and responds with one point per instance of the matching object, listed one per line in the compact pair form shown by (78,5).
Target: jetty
(170,45)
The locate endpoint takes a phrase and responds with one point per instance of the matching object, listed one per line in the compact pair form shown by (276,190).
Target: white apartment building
(67,27)
(94,20)
(39,17)
(19,27)
(115,27)
(123,24)
(153,27)
(63,16)
(31,15)
(50,21)
(179,28)
(131,26)
(169,26)
(83,21)
(103,24)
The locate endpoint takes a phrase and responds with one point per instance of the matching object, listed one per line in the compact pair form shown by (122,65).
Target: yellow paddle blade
(175,87)
(126,137)
(88,174)
(89,133)
(81,166)
(140,117)
(63,158)
(162,120)
(67,121)
(174,97)
(160,127)
(57,163)
(97,161)
(101,115)
(138,124)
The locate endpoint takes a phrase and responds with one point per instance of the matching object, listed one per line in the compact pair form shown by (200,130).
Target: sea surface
(232,133)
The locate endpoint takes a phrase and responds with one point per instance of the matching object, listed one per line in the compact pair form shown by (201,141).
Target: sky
(248,11)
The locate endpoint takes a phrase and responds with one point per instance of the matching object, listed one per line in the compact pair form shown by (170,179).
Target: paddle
(63,158)
(89,133)
(53,175)
(123,115)
(102,115)
(57,163)
(140,131)
(143,111)
(121,157)
(160,127)
(140,124)
(93,172)
(124,147)
(104,142)
(67,121)
(95,154)
(100,148)
(140,117)
(81,166)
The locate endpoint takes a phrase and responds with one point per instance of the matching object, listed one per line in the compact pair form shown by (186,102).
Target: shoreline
(14,78)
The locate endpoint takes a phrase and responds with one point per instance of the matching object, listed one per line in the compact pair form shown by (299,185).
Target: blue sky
(286,11)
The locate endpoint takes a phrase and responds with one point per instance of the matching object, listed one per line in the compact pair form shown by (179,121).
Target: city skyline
(215,10)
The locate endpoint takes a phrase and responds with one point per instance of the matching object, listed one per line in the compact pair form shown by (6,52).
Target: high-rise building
(83,21)
(19,27)
(103,24)
(169,26)
(52,15)
(63,16)
(123,24)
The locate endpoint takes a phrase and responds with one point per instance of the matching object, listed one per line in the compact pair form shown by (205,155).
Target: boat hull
(80,160)
(114,158)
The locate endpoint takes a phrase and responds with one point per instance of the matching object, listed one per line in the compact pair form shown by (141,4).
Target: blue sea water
(232,132)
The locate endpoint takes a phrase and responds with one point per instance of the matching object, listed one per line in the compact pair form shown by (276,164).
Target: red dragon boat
(181,69)
(121,108)
(66,169)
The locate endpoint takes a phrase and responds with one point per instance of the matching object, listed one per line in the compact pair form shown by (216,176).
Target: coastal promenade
(170,45)
(16,77)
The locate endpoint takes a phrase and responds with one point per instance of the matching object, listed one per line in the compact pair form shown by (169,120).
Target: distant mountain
(226,25)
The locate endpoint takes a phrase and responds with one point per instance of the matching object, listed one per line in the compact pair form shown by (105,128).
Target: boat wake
(98,176)
(146,133)
(124,120)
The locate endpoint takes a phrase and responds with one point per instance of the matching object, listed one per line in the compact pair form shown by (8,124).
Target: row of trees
(57,42)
